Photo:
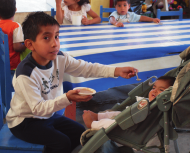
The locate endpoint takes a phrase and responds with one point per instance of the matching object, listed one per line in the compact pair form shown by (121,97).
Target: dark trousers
(59,134)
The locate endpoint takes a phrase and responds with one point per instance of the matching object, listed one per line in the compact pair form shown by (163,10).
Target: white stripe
(141,65)
(112,49)
(123,35)
(111,26)
(125,41)
(125,30)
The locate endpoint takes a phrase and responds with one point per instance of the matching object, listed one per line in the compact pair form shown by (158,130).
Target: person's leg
(44,132)
(70,128)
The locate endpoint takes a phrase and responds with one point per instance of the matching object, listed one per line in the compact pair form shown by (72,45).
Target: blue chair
(53,12)
(8,142)
(105,10)
(170,13)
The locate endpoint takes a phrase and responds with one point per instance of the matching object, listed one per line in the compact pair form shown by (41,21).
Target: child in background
(64,11)
(97,121)
(32,116)
(13,30)
(122,15)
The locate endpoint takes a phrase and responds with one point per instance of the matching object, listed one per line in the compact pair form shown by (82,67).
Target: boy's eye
(57,37)
(125,5)
(46,38)
(119,5)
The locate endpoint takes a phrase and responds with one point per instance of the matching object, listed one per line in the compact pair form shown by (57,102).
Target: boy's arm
(19,47)
(59,12)
(114,22)
(148,19)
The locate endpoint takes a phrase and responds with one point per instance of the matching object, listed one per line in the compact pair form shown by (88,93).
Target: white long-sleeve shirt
(38,89)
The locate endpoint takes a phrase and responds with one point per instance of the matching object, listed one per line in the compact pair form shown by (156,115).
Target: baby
(99,120)
(122,15)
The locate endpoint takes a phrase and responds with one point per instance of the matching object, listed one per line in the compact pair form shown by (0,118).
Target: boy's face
(122,7)
(46,46)
(158,87)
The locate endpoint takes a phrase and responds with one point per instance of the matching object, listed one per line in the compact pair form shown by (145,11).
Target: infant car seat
(137,124)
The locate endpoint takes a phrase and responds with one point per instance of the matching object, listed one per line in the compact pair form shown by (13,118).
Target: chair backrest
(170,13)
(5,75)
(106,10)
(53,12)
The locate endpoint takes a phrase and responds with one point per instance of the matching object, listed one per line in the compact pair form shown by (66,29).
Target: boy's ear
(28,44)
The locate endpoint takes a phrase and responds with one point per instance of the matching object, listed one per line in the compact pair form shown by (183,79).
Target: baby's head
(41,36)
(122,6)
(7,9)
(80,2)
(160,85)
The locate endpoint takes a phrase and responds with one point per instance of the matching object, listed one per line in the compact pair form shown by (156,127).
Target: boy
(122,15)
(97,121)
(13,30)
(32,116)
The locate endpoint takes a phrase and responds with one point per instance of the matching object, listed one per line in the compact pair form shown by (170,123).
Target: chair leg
(176,146)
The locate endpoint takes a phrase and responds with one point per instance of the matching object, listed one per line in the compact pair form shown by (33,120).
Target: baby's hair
(115,1)
(82,2)
(33,23)
(169,79)
(7,8)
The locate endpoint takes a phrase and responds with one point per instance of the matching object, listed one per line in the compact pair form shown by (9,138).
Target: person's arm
(125,72)
(19,47)
(95,18)
(115,23)
(148,19)
(59,12)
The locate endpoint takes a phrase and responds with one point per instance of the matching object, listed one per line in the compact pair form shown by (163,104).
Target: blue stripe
(116,33)
(120,44)
(122,38)
(105,83)
(132,55)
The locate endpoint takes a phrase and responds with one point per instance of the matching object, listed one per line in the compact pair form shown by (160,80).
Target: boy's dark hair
(82,2)
(169,79)
(7,8)
(33,23)
(115,1)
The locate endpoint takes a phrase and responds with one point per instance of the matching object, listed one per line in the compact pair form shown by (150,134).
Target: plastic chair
(170,13)
(8,142)
(53,12)
(107,10)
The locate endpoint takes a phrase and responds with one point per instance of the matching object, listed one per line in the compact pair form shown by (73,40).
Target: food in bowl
(85,91)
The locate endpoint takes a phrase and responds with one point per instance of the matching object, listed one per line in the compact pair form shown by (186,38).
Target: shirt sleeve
(86,7)
(134,17)
(103,123)
(81,68)
(114,14)
(18,34)
(108,115)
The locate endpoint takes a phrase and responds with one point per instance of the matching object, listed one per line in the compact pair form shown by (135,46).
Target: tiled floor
(32,5)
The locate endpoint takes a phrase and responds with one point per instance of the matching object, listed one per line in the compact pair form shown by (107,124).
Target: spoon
(138,78)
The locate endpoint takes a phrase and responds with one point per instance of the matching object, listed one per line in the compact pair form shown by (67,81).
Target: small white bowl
(85,91)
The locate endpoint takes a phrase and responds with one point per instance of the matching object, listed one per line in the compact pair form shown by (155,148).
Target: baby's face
(159,86)
(122,7)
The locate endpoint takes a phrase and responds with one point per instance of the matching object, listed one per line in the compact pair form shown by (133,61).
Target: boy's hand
(125,72)
(119,24)
(73,95)
(85,21)
(156,20)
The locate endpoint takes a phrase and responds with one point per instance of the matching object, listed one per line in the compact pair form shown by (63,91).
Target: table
(151,48)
